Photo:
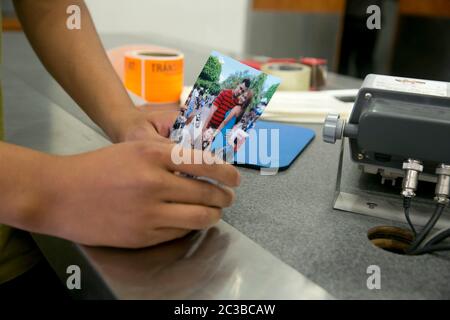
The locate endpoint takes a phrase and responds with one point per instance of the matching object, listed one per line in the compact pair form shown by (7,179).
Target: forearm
(23,177)
(77,60)
(221,126)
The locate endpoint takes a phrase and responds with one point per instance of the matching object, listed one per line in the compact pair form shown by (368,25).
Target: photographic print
(225,102)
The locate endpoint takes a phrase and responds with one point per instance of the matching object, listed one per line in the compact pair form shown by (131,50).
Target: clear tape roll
(294,76)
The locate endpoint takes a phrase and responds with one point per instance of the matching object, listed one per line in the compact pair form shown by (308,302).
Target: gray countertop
(289,214)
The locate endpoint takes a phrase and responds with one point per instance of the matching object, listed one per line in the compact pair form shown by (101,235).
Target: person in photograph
(188,126)
(210,100)
(238,110)
(236,113)
(225,101)
(191,102)
(176,134)
(197,105)
(248,120)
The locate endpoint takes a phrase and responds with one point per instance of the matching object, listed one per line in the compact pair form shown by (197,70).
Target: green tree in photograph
(233,80)
(212,87)
(209,77)
(257,85)
(212,69)
(270,92)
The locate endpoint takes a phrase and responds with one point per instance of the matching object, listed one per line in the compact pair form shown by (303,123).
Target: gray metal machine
(398,128)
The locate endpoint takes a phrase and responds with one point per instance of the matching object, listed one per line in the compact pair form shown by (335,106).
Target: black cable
(406,207)
(430,224)
(439,237)
(433,248)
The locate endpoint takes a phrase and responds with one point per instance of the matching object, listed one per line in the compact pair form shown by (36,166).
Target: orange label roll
(156,76)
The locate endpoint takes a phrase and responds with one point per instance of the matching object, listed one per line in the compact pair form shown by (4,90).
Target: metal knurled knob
(332,128)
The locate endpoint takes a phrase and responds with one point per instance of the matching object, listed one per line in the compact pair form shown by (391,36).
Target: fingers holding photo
(199,163)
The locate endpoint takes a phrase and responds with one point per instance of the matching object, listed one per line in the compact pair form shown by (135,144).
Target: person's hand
(128,195)
(147,122)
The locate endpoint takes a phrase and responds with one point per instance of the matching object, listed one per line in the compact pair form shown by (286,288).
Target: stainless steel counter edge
(219,263)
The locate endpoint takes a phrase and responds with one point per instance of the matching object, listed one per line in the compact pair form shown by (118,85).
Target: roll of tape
(156,76)
(294,76)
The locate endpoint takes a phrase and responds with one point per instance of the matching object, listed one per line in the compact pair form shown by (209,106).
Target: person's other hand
(148,122)
(129,195)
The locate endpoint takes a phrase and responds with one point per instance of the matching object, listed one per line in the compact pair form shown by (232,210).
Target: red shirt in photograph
(224,102)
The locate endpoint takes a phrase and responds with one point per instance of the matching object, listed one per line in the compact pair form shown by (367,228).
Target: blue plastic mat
(260,149)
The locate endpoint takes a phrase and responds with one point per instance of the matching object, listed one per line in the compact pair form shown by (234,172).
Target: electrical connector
(412,169)
(409,186)
(443,184)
